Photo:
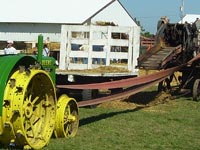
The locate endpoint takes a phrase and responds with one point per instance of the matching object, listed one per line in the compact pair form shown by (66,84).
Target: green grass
(174,125)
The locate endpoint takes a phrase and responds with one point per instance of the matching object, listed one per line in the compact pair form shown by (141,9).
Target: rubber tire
(196,89)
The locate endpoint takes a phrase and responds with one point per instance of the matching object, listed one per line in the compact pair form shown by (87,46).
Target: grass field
(169,125)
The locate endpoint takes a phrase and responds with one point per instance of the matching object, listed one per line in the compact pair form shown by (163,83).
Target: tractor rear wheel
(29,109)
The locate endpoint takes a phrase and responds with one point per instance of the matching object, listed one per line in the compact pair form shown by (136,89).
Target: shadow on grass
(141,98)
(92,119)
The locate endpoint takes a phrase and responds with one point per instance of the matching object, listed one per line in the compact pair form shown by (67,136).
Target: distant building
(61,21)
(24,20)
(190,18)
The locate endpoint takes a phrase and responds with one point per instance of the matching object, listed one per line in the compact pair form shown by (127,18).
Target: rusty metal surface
(120,95)
(125,82)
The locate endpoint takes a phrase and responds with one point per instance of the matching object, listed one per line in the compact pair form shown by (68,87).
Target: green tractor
(29,110)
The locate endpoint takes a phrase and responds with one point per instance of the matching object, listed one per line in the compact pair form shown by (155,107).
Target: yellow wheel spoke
(29,98)
(33,132)
(66,121)
(67,129)
(35,100)
(68,110)
(29,129)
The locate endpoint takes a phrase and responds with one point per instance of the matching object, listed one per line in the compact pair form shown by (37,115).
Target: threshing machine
(29,110)
(176,44)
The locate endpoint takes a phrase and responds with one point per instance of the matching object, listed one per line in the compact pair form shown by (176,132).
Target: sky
(148,12)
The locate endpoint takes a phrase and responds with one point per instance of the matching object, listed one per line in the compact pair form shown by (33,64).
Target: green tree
(143,31)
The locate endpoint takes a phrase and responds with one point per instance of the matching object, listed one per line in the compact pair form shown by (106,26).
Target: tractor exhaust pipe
(40,48)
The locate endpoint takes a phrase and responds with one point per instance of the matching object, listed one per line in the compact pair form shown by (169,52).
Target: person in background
(9,48)
(45,51)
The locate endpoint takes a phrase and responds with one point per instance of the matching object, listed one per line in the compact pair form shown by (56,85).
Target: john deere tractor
(29,110)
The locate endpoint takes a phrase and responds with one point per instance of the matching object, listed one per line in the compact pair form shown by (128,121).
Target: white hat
(10,42)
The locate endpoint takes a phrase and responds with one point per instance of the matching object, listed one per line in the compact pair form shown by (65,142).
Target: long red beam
(118,95)
(125,82)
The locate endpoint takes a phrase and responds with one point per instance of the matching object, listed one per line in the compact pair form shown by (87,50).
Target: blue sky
(148,12)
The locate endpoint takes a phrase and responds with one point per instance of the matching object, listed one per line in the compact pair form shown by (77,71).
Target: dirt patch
(119,104)
(140,100)
(145,99)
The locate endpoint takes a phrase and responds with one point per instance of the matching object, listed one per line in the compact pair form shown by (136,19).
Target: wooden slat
(154,61)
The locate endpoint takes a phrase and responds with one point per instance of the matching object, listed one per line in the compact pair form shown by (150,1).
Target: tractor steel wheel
(196,90)
(67,120)
(29,109)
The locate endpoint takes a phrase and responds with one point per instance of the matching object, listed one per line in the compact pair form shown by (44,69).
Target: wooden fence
(88,47)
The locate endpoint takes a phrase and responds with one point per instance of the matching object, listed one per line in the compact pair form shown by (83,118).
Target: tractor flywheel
(29,109)
(67,120)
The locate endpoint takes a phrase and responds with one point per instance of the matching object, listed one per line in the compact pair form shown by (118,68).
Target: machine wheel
(196,90)
(67,120)
(29,109)
(88,94)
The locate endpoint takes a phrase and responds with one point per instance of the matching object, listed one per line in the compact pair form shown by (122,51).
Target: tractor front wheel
(67,120)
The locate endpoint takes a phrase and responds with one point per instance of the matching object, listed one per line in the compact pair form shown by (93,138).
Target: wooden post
(69,47)
(90,47)
(136,47)
(108,46)
(130,50)
(62,64)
